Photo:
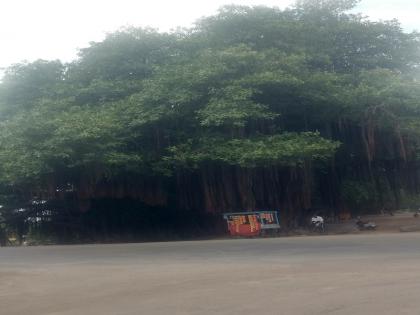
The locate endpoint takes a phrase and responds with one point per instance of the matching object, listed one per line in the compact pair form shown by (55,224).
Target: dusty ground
(347,274)
(400,221)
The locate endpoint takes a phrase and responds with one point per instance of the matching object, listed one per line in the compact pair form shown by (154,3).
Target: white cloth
(317,219)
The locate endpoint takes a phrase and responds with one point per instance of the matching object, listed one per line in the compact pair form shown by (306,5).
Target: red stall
(251,223)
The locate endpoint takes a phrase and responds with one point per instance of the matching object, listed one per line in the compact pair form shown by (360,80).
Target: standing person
(317,223)
(3,235)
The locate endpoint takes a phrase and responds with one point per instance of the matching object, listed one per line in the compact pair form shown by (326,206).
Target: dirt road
(352,274)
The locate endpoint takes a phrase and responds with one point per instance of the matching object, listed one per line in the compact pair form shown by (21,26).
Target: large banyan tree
(253,108)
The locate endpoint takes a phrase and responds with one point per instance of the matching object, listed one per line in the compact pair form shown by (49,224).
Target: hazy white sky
(55,29)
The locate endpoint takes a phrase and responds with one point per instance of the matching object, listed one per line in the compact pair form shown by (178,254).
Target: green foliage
(410,201)
(128,54)
(233,106)
(25,84)
(287,149)
(333,6)
(249,86)
(358,194)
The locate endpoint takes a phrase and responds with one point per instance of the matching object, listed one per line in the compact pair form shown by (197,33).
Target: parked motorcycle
(365,225)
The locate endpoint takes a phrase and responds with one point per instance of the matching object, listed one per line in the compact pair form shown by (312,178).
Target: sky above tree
(56,29)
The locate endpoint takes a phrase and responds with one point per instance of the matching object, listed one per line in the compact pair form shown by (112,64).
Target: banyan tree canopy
(252,108)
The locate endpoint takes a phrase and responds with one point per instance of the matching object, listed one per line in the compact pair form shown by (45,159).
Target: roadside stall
(253,223)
